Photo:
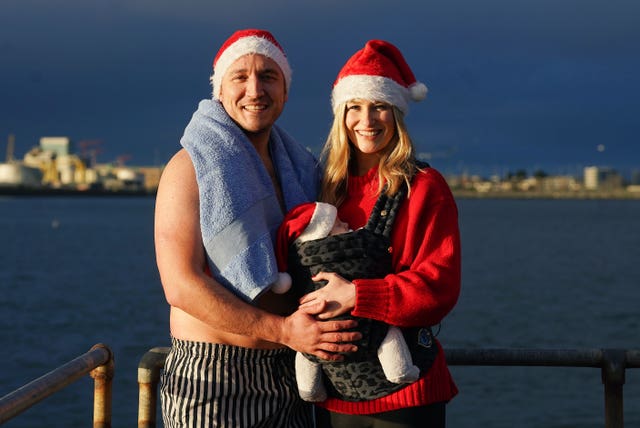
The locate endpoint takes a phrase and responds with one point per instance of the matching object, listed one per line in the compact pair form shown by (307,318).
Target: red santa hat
(305,222)
(378,72)
(243,42)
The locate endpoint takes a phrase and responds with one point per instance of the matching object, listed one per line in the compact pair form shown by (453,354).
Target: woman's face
(370,128)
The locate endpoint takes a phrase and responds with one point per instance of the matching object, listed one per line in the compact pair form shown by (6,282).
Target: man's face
(253,93)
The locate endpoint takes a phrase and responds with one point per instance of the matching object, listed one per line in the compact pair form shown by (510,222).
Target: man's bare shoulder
(179,171)
(178,189)
(179,161)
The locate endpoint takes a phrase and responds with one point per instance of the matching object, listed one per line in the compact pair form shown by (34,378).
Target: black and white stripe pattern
(211,385)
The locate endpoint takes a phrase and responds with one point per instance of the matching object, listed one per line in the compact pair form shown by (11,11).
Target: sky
(546,85)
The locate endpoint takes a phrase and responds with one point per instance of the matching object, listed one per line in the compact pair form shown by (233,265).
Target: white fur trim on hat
(321,223)
(245,46)
(375,88)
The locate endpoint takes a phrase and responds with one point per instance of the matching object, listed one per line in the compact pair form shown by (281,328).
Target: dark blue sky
(513,84)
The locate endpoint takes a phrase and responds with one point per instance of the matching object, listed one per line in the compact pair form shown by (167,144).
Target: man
(218,205)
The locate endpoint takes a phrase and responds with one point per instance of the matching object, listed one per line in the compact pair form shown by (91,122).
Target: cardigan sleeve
(425,284)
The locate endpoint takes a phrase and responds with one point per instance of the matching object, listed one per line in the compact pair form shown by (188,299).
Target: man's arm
(181,260)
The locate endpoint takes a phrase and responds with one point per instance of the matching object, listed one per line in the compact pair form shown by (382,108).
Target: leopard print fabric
(364,253)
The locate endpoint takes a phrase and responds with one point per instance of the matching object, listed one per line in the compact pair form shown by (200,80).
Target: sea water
(546,274)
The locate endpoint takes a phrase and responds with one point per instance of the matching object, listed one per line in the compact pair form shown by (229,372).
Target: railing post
(148,378)
(102,391)
(613,377)
(37,390)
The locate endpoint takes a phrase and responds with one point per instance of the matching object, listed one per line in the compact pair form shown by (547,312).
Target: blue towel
(239,210)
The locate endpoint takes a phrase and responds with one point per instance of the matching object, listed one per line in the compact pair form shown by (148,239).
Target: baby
(315,221)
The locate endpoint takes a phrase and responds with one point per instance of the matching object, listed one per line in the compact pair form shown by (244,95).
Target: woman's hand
(339,295)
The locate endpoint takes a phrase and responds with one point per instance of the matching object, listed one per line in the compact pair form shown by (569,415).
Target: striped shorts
(212,385)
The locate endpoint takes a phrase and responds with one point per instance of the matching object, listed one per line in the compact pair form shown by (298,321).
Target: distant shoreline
(457,193)
(472,194)
(28,191)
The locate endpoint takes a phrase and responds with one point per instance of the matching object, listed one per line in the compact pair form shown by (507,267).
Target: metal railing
(149,370)
(98,362)
(612,362)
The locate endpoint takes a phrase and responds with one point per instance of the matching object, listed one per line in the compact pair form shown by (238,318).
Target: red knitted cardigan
(426,283)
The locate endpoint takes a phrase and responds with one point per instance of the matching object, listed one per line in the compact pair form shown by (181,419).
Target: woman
(368,154)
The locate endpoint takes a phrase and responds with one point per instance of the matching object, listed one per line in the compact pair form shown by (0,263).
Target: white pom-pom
(418,91)
(282,284)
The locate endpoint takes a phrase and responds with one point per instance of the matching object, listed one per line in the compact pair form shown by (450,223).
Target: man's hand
(324,339)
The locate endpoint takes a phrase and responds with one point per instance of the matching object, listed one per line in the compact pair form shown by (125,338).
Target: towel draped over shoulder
(239,209)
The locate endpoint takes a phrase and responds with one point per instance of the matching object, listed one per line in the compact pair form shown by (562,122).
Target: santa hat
(243,42)
(305,222)
(378,72)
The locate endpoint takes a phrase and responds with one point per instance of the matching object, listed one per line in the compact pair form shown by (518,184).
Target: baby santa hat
(378,72)
(244,42)
(305,222)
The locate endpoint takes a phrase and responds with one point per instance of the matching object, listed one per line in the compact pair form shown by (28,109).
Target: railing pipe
(525,357)
(612,363)
(148,378)
(102,393)
(21,399)
(537,357)
(613,376)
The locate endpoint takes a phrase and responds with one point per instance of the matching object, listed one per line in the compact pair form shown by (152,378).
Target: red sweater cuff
(372,299)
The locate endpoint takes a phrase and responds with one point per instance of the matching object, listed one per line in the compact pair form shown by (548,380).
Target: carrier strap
(385,211)
(386,208)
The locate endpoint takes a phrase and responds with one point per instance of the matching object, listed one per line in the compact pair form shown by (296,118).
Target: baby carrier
(363,253)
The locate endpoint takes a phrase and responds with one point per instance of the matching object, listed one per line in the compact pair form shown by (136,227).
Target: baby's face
(339,227)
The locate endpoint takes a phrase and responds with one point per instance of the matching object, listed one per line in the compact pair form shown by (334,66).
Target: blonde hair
(396,167)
